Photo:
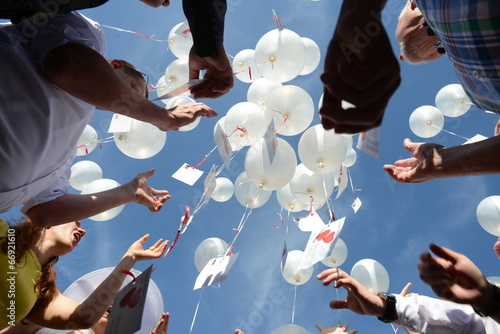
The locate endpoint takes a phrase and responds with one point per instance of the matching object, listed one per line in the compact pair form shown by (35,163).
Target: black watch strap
(390,311)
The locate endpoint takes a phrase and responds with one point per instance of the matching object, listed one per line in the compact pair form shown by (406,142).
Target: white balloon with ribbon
(224,189)
(310,187)
(288,201)
(426,121)
(337,256)
(488,214)
(244,66)
(292,109)
(280,55)
(260,89)
(322,151)
(269,175)
(245,123)
(248,194)
(313,56)
(180,40)
(291,272)
(208,249)
(177,74)
(87,142)
(143,141)
(452,100)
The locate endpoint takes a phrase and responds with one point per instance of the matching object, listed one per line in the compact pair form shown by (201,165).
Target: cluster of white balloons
(451,101)
(488,214)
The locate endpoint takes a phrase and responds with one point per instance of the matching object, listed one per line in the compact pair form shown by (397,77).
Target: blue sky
(395,224)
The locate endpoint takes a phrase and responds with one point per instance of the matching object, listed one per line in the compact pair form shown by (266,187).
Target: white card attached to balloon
(120,123)
(223,145)
(309,223)
(321,243)
(209,184)
(356,205)
(128,306)
(475,139)
(183,30)
(369,142)
(271,141)
(215,271)
(187,174)
(342,180)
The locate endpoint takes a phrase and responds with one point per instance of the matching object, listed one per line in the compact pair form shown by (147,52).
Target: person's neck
(42,251)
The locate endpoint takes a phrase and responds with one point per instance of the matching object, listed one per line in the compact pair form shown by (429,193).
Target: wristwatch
(390,311)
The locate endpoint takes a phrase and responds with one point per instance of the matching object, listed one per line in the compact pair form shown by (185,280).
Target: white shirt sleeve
(58,188)
(430,315)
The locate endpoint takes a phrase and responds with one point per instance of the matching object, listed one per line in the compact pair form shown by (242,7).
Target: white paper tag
(309,223)
(187,174)
(223,145)
(215,271)
(209,184)
(475,139)
(356,205)
(128,306)
(343,180)
(369,142)
(321,243)
(120,123)
(271,141)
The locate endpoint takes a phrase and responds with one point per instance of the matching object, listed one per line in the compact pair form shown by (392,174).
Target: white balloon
(453,101)
(161,89)
(313,56)
(84,172)
(246,123)
(177,74)
(351,158)
(143,141)
(280,55)
(338,255)
(260,89)
(288,201)
(322,151)
(290,329)
(224,189)
(244,66)
(292,109)
(426,121)
(87,141)
(248,194)
(267,175)
(83,287)
(177,101)
(307,185)
(290,271)
(488,214)
(208,249)
(222,123)
(495,280)
(371,274)
(180,40)
(98,186)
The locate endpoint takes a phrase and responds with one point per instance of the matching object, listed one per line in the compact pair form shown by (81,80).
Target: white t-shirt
(430,315)
(40,124)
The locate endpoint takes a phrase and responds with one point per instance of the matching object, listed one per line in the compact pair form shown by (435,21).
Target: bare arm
(65,313)
(85,74)
(432,161)
(71,207)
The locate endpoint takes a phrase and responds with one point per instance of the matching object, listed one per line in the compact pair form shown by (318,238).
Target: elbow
(39,217)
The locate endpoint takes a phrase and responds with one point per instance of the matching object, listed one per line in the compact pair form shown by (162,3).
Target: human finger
(400,174)
(408,162)
(339,304)
(405,289)
(445,253)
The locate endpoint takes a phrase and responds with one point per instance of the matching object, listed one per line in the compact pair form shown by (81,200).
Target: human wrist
(490,305)
(388,312)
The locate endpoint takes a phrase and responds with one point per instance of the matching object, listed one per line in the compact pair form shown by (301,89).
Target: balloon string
(281,219)
(196,311)
(350,180)
(395,329)
(243,220)
(203,160)
(123,271)
(294,300)
(134,32)
(311,205)
(338,298)
(451,133)
(285,118)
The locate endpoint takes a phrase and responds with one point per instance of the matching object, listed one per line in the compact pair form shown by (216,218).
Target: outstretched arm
(433,161)
(65,313)
(85,74)
(360,68)
(72,207)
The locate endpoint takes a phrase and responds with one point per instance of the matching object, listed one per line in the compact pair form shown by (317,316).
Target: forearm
(206,21)
(472,159)
(85,74)
(72,207)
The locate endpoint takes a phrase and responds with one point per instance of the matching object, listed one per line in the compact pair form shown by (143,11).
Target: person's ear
(117,64)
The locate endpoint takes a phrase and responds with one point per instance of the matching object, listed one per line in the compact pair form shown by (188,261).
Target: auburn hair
(27,235)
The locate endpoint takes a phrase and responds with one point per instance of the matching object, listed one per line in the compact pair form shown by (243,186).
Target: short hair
(132,71)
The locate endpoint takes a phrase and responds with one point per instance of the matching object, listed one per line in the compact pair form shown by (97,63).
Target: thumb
(143,239)
(319,327)
(444,253)
(149,173)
